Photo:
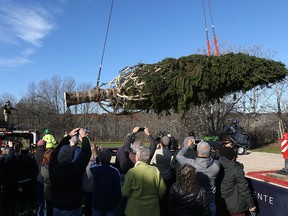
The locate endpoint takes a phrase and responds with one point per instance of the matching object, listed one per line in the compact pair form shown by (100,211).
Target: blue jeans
(102,213)
(40,198)
(60,212)
(212,207)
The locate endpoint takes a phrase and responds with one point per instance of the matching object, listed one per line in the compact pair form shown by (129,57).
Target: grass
(271,148)
(113,144)
(109,144)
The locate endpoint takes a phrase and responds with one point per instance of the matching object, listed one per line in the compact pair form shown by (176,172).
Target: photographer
(66,177)
(162,159)
(190,153)
(126,155)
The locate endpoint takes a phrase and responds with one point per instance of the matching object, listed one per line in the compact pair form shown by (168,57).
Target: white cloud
(22,25)
(13,62)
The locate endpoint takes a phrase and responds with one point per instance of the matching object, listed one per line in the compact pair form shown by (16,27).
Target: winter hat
(75,139)
(65,155)
(41,142)
(185,142)
(165,140)
(228,153)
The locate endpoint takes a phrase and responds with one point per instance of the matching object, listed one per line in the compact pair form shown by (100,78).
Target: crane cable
(213,30)
(101,62)
(104,47)
(207,36)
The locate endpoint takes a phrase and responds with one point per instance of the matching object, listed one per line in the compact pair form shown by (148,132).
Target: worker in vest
(7,111)
(49,138)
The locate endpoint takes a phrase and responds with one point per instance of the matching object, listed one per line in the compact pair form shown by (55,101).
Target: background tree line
(258,112)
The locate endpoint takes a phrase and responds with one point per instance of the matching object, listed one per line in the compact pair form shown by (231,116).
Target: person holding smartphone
(126,155)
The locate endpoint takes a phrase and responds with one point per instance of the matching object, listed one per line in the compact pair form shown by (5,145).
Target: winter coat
(27,167)
(206,171)
(192,204)
(9,173)
(66,179)
(144,187)
(234,187)
(107,187)
(38,155)
(162,159)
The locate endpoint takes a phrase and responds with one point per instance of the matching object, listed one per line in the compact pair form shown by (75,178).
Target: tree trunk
(94,95)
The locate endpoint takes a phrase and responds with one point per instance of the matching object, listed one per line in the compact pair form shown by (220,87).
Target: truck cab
(24,137)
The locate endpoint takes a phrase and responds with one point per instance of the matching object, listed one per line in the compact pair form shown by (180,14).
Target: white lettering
(263,197)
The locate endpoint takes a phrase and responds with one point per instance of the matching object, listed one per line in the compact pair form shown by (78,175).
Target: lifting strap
(206,28)
(213,30)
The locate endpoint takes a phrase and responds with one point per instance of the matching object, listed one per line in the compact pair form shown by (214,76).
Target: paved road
(261,161)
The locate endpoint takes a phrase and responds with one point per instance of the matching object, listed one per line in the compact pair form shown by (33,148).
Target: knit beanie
(41,142)
(65,155)
(228,153)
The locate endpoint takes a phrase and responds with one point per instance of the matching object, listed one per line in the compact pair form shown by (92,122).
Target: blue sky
(40,39)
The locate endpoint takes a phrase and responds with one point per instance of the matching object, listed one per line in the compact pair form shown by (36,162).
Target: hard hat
(47,131)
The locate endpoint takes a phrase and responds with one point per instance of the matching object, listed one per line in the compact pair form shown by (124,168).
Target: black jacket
(66,180)
(38,155)
(9,174)
(27,167)
(125,158)
(234,189)
(193,204)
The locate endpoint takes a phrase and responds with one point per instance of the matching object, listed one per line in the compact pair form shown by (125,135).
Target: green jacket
(144,187)
(234,187)
(50,140)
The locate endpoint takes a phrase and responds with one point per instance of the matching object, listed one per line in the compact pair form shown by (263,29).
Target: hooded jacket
(206,168)
(234,187)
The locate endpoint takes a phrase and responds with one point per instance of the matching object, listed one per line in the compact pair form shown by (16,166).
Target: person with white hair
(143,186)
(207,169)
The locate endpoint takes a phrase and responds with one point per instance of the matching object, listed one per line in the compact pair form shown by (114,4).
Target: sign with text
(271,200)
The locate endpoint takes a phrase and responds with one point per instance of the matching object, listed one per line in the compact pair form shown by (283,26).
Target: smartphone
(141,129)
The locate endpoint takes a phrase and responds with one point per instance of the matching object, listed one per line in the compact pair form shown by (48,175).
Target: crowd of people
(74,177)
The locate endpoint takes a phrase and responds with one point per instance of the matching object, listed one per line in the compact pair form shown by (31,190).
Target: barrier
(270,194)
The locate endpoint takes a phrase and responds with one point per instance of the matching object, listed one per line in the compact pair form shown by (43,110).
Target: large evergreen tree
(177,84)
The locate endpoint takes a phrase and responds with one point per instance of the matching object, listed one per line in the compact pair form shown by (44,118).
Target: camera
(141,129)
(77,132)
(5,144)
